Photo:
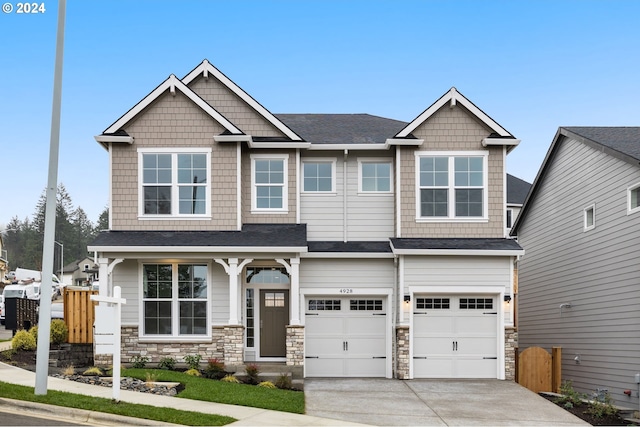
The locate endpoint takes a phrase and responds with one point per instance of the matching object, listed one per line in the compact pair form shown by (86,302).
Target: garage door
(455,336)
(345,337)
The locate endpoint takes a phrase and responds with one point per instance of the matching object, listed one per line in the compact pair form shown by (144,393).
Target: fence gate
(538,370)
(79,314)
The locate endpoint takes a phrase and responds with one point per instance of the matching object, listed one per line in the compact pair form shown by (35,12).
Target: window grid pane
(376,177)
(365,305)
(433,303)
(250,330)
(324,305)
(476,303)
(317,177)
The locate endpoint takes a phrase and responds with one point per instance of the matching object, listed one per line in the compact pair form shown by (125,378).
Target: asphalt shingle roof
(251,235)
(488,244)
(625,140)
(342,128)
(364,247)
(517,190)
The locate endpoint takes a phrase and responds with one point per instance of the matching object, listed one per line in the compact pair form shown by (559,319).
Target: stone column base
(402,352)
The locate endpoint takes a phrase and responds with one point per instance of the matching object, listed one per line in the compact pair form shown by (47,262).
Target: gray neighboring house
(517,190)
(580,278)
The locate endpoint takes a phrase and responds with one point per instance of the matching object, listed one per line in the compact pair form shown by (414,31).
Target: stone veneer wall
(510,345)
(402,352)
(155,351)
(233,352)
(295,345)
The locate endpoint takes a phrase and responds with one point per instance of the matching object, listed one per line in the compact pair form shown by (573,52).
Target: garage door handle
(379,314)
(490,312)
(312,357)
(490,357)
(311,314)
(419,357)
(379,357)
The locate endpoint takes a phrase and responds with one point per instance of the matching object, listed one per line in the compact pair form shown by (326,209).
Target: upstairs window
(318,176)
(269,183)
(375,176)
(633,196)
(452,186)
(174,183)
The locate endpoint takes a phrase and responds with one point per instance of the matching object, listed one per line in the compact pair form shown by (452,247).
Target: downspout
(504,192)
(239,186)
(344,197)
(398,187)
(111,185)
(298,189)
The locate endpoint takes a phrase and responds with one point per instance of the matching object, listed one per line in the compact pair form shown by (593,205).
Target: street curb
(73,414)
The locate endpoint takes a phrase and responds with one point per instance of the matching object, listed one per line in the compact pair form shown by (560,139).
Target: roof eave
(196,249)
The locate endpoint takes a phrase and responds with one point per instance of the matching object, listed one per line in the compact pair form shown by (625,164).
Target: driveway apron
(389,402)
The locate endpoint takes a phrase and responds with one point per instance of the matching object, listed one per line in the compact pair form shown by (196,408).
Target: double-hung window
(375,176)
(318,176)
(174,184)
(269,183)
(174,300)
(451,186)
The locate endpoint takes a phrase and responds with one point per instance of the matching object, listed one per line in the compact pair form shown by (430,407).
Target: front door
(274,318)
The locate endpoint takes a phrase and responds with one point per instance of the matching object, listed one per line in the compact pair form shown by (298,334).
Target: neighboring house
(344,245)
(517,191)
(80,272)
(580,277)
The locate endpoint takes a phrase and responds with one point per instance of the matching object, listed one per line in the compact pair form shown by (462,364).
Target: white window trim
(285,185)
(333,162)
(363,160)
(585,215)
(175,325)
(508,212)
(451,204)
(631,210)
(174,184)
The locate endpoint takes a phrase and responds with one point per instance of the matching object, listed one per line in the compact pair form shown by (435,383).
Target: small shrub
(59,331)
(284,382)
(193,361)
(168,363)
(193,372)
(93,371)
(34,331)
(252,372)
(214,369)
(570,397)
(230,379)
(23,340)
(139,362)
(266,384)
(69,370)
(602,408)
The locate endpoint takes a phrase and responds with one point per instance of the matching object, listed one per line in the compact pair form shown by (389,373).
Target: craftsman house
(344,245)
(580,277)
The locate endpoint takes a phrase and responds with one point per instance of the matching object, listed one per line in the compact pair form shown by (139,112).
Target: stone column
(510,344)
(402,352)
(295,345)
(233,345)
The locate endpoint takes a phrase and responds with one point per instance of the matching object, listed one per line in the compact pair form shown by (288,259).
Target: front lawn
(98,404)
(199,388)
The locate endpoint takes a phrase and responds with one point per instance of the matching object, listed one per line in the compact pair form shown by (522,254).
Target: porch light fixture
(407,298)
(507,298)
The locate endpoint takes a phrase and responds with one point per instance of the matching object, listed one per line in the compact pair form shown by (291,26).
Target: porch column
(233,291)
(294,301)
(103,289)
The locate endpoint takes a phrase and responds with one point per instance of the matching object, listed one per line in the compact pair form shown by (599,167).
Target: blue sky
(531,65)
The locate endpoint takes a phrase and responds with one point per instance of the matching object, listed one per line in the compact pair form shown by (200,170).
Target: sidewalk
(246,416)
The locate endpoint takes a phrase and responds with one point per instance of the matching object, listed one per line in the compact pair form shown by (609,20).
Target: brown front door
(274,318)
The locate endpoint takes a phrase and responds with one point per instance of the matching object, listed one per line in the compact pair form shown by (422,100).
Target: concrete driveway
(388,402)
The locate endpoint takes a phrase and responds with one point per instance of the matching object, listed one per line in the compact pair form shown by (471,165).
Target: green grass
(197,388)
(98,404)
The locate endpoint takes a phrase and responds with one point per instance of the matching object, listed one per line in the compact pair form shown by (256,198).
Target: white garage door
(345,337)
(455,336)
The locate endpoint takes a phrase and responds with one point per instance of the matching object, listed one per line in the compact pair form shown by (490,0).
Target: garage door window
(365,305)
(324,304)
(433,303)
(476,303)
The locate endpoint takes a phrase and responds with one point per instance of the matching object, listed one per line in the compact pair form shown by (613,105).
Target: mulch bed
(580,411)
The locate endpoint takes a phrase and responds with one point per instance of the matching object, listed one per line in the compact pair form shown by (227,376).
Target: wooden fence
(538,370)
(79,314)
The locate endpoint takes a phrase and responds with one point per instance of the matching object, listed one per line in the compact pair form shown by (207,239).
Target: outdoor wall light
(507,298)
(407,298)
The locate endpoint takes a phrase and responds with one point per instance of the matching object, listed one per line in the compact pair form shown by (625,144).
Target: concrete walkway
(387,402)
